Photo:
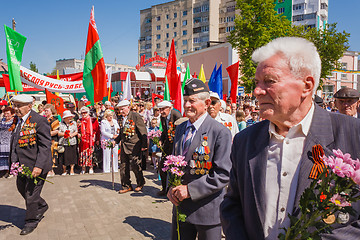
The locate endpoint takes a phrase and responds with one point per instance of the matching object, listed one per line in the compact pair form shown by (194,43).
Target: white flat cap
(164,104)
(23,98)
(123,103)
(214,95)
(107,103)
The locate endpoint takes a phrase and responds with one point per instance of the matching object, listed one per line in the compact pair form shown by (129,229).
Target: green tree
(33,67)
(258,23)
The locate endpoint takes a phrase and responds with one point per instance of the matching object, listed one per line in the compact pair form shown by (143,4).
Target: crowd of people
(246,160)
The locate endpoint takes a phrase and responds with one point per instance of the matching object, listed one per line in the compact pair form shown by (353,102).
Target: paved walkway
(86,207)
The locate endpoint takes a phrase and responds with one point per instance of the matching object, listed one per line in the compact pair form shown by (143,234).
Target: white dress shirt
(229,122)
(282,174)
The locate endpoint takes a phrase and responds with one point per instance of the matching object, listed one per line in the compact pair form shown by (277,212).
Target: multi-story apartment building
(311,13)
(191,23)
(72,65)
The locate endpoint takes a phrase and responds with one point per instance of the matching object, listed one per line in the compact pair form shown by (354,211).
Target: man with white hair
(30,146)
(225,119)
(272,159)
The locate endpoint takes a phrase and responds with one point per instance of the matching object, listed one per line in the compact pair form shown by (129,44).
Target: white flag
(127,88)
(109,73)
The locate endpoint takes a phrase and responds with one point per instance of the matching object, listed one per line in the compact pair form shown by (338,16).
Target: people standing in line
(30,146)
(89,134)
(110,129)
(272,160)
(168,118)
(133,141)
(50,111)
(5,136)
(225,119)
(201,139)
(347,101)
(68,133)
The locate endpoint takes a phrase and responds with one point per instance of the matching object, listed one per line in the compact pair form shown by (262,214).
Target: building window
(175,34)
(204,28)
(167,16)
(304,17)
(281,10)
(203,8)
(167,54)
(184,51)
(184,22)
(167,44)
(230,9)
(184,13)
(197,30)
(158,36)
(184,32)
(230,19)
(175,24)
(175,43)
(148,20)
(158,18)
(167,25)
(184,42)
(175,15)
(158,45)
(344,67)
(167,35)
(147,46)
(229,29)
(158,27)
(299,6)
(148,38)
(324,6)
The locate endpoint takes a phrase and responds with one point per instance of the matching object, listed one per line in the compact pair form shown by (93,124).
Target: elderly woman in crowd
(88,132)
(5,136)
(109,130)
(50,111)
(68,138)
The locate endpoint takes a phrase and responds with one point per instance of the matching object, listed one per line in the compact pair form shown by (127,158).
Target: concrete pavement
(86,207)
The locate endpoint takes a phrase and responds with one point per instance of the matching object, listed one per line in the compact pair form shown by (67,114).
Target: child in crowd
(153,149)
(254,118)
(240,119)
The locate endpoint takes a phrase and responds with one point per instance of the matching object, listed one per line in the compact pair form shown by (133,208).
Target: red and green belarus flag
(94,76)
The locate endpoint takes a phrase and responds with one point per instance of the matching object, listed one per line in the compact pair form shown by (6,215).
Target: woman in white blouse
(109,130)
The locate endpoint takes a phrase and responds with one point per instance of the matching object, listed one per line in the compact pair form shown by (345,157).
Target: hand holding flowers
(24,171)
(67,136)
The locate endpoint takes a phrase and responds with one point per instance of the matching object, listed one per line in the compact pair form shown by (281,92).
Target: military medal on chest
(200,163)
(27,134)
(171,132)
(129,128)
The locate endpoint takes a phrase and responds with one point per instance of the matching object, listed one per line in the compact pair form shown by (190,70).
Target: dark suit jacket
(38,154)
(243,208)
(206,191)
(134,144)
(167,145)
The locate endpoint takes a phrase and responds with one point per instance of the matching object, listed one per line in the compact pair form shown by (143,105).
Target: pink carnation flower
(356,176)
(345,157)
(174,170)
(180,173)
(338,166)
(165,169)
(339,201)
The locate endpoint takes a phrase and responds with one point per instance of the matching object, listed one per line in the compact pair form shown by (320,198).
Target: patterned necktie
(188,138)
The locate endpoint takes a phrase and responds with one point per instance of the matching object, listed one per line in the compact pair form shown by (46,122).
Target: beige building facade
(193,24)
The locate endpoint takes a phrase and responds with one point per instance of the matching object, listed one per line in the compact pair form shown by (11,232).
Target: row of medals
(199,156)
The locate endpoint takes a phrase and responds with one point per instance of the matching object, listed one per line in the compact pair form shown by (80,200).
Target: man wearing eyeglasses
(347,101)
(225,119)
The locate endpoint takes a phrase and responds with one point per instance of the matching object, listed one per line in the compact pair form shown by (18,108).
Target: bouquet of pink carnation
(23,171)
(110,143)
(175,165)
(155,135)
(330,195)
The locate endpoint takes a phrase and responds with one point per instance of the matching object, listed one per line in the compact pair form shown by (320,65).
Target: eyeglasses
(84,112)
(213,102)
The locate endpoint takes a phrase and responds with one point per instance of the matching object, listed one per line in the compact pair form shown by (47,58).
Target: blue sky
(58,29)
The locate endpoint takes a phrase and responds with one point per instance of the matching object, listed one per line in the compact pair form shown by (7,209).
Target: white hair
(85,109)
(300,54)
(203,95)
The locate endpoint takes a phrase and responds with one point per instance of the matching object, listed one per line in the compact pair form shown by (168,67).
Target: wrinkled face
(347,106)
(165,111)
(124,110)
(107,106)
(279,93)
(233,107)
(67,119)
(109,117)
(195,107)
(156,112)
(7,115)
(21,109)
(84,114)
(47,112)
(214,107)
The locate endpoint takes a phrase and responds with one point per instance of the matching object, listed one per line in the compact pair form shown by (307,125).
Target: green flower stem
(45,180)
(177,222)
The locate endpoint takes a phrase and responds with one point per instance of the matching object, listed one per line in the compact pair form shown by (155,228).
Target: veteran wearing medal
(272,160)
(205,143)
(168,119)
(225,119)
(31,146)
(133,141)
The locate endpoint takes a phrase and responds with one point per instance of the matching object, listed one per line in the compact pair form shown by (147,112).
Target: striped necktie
(188,138)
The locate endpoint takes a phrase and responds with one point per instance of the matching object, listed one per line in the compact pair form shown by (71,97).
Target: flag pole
(7,93)
(109,95)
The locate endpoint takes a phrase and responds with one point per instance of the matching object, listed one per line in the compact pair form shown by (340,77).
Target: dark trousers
(163,175)
(189,231)
(35,205)
(133,161)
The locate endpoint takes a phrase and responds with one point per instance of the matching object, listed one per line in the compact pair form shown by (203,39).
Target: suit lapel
(320,133)
(257,166)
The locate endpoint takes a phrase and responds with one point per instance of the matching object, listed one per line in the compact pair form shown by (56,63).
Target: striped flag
(94,76)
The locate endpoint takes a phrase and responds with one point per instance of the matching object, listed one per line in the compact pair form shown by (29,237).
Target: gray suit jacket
(206,191)
(242,211)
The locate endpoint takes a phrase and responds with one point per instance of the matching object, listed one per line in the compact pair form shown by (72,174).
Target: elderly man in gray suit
(205,143)
(272,159)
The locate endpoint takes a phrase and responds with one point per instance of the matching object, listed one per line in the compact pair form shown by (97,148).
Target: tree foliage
(258,23)
(33,67)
